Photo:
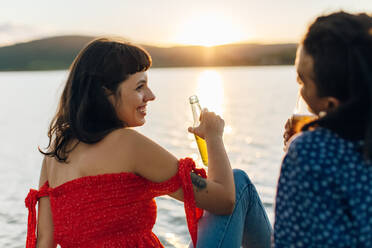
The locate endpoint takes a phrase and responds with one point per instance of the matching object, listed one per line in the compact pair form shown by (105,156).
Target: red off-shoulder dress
(111,210)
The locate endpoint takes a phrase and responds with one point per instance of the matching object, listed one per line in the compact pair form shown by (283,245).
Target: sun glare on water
(210,91)
(208,30)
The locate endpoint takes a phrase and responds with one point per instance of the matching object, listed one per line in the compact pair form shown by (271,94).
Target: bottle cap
(193,99)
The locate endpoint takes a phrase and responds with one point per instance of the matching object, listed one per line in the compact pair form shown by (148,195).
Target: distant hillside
(58,52)
(45,54)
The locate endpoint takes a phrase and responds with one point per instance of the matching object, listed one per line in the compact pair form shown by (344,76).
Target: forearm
(45,238)
(45,243)
(219,168)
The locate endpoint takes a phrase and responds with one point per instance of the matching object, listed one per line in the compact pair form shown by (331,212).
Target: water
(254,101)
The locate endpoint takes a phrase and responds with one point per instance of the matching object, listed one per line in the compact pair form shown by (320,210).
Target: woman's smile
(142,110)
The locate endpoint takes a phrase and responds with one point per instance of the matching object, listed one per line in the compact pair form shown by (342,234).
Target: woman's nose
(150,96)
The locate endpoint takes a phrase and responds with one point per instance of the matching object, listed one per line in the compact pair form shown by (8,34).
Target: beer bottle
(202,145)
(301,116)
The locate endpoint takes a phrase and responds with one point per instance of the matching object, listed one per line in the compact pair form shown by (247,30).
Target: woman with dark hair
(99,177)
(324,196)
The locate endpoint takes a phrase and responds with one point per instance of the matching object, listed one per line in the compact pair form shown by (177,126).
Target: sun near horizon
(208,29)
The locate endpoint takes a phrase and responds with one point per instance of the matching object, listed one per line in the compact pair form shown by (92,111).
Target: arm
(45,222)
(219,168)
(215,194)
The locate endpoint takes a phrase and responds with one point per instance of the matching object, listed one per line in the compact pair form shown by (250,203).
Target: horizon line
(154,44)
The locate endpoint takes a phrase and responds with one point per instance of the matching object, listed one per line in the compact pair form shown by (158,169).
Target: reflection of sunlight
(195,157)
(210,91)
(228,129)
(172,239)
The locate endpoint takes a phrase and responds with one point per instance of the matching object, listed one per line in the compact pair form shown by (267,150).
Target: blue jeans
(247,226)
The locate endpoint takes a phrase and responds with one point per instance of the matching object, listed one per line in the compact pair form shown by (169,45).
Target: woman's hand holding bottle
(211,126)
(220,176)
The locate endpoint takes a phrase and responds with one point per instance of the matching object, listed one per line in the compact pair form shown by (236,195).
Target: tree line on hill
(57,53)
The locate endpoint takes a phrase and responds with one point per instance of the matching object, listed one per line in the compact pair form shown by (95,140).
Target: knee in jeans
(241,177)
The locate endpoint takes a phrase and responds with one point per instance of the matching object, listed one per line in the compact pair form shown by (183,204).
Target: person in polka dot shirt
(324,194)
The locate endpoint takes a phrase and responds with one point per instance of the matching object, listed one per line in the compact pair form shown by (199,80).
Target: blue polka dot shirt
(324,195)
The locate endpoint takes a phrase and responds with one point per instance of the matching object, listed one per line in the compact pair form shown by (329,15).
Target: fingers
(286,136)
(288,124)
(211,117)
(285,139)
(210,125)
(203,112)
(287,130)
(191,130)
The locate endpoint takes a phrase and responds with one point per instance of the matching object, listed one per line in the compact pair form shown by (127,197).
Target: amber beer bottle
(202,145)
(297,121)
(301,116)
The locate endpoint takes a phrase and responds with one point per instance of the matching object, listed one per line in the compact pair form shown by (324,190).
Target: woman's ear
(110,95)
(332,103)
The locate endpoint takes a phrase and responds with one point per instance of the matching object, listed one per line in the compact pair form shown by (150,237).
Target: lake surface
(254,101)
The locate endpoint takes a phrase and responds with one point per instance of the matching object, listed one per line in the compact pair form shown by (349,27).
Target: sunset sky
(168,22)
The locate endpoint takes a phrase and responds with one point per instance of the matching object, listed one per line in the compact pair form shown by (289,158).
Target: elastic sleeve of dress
(183,179)
(32,198)
(193,214)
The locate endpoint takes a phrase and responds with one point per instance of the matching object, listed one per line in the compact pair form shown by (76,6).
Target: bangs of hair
(140,59)
(123,60)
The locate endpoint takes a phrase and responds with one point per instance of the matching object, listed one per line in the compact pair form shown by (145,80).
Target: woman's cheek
(302,92)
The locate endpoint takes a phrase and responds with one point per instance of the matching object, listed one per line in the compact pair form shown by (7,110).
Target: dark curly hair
(341,47)
(84,112)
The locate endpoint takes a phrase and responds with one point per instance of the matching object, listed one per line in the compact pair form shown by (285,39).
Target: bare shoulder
(129,141)
(125,135)
(43,172)
(149,159)
(137,142)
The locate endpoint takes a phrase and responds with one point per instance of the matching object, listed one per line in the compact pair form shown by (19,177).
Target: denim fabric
(247,226)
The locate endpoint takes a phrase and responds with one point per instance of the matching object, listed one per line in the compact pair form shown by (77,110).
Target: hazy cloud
(11,33)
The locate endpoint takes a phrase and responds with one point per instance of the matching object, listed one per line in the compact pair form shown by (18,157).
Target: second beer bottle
(202,145)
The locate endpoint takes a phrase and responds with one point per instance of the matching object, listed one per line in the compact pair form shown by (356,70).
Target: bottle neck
(196,111)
